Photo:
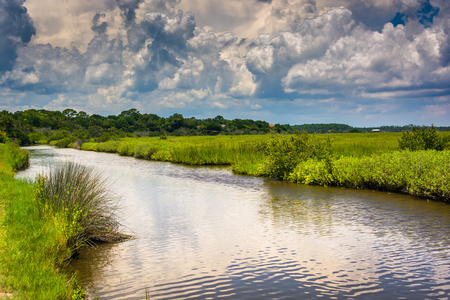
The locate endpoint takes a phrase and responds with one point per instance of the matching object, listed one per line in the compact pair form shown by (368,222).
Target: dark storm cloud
(165,43)
(128,9)
(16,28)
(445,48)
(98,26)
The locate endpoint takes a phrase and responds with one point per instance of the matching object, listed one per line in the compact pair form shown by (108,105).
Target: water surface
(205,233)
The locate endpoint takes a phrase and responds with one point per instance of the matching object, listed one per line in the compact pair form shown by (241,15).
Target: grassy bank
(356,160)
(423,173)
(43,224)
(31,246)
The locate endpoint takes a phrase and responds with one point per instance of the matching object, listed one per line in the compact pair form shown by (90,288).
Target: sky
(359,62)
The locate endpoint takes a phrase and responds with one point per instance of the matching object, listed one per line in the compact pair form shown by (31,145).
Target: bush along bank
(422,173)
(305,159)
(38,238)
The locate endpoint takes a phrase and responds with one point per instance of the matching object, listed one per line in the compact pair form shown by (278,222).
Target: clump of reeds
(82,199)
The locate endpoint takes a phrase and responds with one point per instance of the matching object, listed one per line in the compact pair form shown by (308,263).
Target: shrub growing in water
(82,199)
(422,138)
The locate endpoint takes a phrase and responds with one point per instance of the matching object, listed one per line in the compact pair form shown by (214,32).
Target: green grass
(15,157)
(30,246)
(196,150)
(363,144)
(43,224)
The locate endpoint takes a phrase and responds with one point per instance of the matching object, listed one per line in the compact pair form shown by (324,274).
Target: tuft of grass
(82,198)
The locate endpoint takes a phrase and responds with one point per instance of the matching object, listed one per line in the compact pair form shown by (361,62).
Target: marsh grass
(82,198)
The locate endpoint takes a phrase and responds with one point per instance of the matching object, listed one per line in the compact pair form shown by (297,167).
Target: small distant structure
(376,130)
(222,125)
(271,125)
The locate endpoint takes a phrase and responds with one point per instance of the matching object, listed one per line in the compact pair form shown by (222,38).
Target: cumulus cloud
(16,29)
(372,61)
(227,55)
(271,59)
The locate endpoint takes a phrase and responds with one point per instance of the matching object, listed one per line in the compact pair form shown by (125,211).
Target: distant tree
(70,113)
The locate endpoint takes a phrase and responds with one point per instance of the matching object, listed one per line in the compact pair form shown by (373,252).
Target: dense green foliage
(423,138)
(421,173)
(64,128)
(284,153)
(71,128)
(15,157)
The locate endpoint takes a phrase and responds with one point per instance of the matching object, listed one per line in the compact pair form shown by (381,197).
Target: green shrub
(62,143)
(59,135)
(37,138)
(423,138)
(284,153)
(423,173)
(16,157)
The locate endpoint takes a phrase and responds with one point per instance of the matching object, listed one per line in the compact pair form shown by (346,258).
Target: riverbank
(32,244)
(370,161)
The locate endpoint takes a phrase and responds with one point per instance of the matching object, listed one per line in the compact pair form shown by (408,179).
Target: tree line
(63,127)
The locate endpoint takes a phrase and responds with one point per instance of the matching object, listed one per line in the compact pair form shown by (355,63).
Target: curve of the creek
(205,233)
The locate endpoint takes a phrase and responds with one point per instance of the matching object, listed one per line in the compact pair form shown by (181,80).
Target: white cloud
(231,54)
(366,60)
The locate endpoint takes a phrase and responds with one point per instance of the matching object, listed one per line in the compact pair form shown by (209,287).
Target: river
(205,233)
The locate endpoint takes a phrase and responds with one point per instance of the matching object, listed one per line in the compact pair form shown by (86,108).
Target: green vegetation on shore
(43,224)
(70,128)
(369,160)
